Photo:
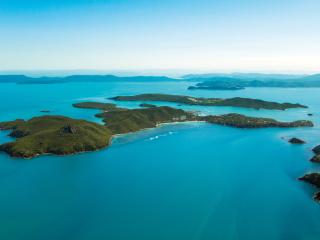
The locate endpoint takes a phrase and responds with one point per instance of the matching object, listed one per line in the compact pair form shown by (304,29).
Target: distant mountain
(227,81)
(22,79)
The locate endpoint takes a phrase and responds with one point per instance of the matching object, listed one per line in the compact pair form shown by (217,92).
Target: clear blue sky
(224,35)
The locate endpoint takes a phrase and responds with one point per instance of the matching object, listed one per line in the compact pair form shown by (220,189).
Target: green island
(242,121)
(132,120)
(62,135)
(54,134)
(231,102)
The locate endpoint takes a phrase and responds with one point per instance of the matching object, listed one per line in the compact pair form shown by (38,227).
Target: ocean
(190,181)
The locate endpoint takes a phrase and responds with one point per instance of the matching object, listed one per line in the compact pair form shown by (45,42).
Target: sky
(169,35)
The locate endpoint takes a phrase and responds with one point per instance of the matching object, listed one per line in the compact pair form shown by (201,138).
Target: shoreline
(159,125)
(109,142)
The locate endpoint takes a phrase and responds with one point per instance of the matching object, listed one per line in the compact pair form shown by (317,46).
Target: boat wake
(161,135)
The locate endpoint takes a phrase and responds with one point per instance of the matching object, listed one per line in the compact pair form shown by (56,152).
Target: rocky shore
(314,179)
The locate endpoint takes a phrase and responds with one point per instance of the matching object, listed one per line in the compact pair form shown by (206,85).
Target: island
(231,102)
(314,179)
(62,135)
(242,121)
(295,140)
(54,134)
(221,84)
(241,81)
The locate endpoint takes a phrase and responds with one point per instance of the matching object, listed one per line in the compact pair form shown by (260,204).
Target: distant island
(231,102)
(238,83)
(22,79)
(234,81)
(62,135)
(221,84)
(249,76)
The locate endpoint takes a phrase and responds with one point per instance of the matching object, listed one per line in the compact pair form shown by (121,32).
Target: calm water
(180,181)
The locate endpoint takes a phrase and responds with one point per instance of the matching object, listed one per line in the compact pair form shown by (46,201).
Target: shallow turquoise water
(179,181)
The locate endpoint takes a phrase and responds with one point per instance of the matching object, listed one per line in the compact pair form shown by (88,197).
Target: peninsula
(231,102)
(62,135)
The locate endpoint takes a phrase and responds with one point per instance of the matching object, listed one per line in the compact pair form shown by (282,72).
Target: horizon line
(158,72)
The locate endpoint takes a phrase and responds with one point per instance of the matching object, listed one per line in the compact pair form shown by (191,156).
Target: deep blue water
(179,181)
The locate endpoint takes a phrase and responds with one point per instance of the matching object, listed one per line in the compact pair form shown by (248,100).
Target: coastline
(159,125)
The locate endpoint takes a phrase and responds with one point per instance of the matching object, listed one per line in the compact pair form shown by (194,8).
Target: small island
(217,85)
(231,102)
(295,140)
(62,135)
(53,134)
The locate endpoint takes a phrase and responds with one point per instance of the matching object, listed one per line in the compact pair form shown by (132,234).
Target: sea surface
(190,181)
